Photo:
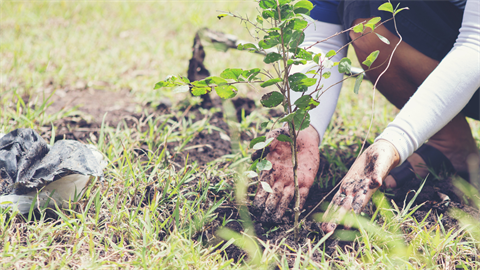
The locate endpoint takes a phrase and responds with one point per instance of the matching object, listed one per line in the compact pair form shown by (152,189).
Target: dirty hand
(362,180)
(280,177)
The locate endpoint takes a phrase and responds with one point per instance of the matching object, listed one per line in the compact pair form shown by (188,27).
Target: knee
(358,43)
(364,43)
(368,42)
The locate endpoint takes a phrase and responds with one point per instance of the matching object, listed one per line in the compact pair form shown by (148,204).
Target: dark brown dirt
(206,146)
(243,106)
(274,233)
(88,108)
(92,107)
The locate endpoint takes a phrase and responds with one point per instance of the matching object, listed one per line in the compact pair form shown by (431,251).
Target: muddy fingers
(361,181)
(280,178)
(288,193)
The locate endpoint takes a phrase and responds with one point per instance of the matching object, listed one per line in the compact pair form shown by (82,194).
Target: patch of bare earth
(210,145)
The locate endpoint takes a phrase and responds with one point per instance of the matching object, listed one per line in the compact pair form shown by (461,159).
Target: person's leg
(408,69)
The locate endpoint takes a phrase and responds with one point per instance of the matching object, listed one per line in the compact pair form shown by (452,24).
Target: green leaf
(286,12)
(303,102)
(284,138)
(226,91)
(386,7)
(270,82)
(270,40)
(257,140)
(372,22)
(331,53)
(161,84)
(264,165)
(172,81)
(299,24)
(313,103)
(297,38)
(311,72)
(181,89)
(266,186)
(264,124)
(259,19)
(287,118)
(287,35)
(251,74)
(198,91)
(371,58)
(220,16)
(303,54)
(272,99)
(306,103)
(326,74)
(272,58)
(299,121)
(345,65)
(398,10)
(231,73)
(268,43)
(250,174)
(358,82)
(247,46)
(382,38)
(266,4)
(261,145)
(185,80)
(299,82)
(316,58)
(201,83)
(268,14)
(296,62)
(215,80)
(253,167)
(303,6)
(358,28)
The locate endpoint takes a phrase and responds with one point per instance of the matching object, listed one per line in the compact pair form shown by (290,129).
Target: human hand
(362,180)
(280,177)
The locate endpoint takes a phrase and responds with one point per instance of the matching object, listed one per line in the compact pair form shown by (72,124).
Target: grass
(120,223)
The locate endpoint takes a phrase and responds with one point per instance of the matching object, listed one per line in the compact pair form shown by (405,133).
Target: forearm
(444,93)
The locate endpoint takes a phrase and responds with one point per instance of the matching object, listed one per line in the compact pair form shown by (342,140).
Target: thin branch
(373,112)
(244,20)
(378,79)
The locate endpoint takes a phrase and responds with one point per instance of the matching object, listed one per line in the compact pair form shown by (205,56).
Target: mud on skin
(262,153)
(271,207)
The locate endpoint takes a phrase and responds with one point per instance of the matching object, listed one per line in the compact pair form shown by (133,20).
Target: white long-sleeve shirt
(444,93)
(316,31)
(441,97)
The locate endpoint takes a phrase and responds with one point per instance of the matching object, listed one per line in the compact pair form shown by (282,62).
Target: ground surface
(208,146)
(86,70)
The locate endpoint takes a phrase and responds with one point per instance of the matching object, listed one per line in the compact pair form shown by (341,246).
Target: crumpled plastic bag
(32,171)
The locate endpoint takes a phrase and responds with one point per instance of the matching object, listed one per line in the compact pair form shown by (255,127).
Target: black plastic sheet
(28,164)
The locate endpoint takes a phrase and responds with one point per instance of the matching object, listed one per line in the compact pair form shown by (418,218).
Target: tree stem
(286,92)
(295,179)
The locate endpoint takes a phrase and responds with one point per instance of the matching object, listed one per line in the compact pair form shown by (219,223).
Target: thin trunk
(293,134)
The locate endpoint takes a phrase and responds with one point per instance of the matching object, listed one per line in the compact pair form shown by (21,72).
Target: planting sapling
(282,25)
